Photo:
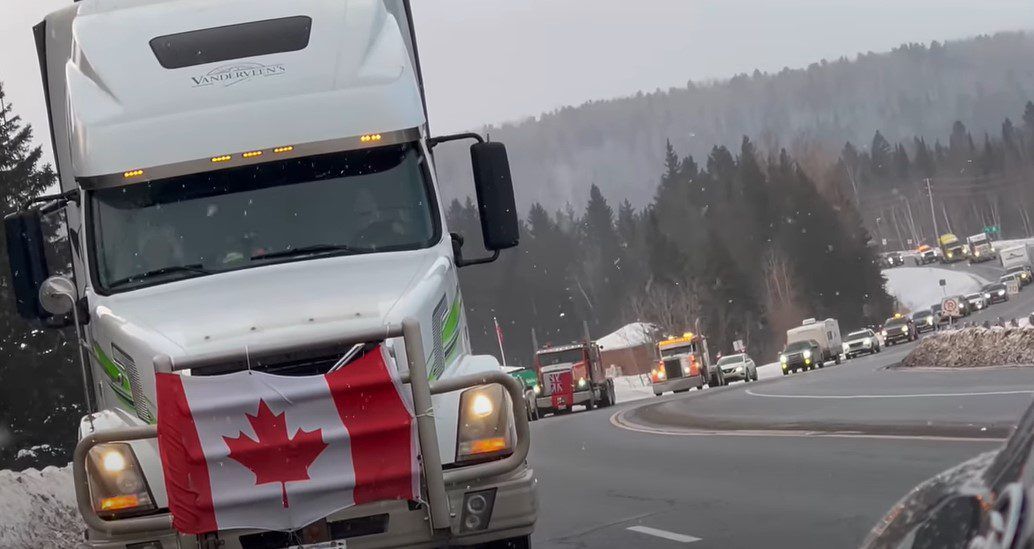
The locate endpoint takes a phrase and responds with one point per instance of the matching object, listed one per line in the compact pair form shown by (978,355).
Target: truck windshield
(355,202)
(561,357)
(673,351)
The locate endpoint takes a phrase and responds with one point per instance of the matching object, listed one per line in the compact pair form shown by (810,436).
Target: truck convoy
(685,363)
(250,186)
(980,248)
(571,375)
(824,332)
(952,250)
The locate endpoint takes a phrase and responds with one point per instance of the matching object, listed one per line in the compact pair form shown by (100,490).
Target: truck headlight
(976,254)
(537,389)
(582,383)
(929,320)
(867,341)
(807,353)
(884,333)
(117,484)
(485,428)
(782,359)
(904,329)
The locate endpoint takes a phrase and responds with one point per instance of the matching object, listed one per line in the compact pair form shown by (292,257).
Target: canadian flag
(254,450)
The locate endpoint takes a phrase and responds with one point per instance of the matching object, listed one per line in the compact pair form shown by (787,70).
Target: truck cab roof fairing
(127,111)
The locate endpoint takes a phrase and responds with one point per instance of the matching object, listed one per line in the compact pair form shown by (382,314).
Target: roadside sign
(943,282)
(884,241)
(1013,286)
(950,307)
(738,346)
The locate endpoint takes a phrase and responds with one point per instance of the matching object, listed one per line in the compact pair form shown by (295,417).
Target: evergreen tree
(41,392)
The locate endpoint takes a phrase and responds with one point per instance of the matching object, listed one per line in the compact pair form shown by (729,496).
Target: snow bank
(629,335)
(37,509)
(917,287)
(974,347)
(629,388)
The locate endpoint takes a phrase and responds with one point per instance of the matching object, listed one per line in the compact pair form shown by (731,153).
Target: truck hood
(289,301)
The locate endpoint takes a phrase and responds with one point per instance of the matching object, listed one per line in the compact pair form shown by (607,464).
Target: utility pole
(933,212)
(879,233)
(911,222)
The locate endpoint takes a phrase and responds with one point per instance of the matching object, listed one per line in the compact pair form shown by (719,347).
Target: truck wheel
(591,403)
(838,359)
(612,393)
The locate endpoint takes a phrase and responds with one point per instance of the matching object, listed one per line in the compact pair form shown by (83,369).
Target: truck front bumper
(394,523)
(578,397)
(677,384)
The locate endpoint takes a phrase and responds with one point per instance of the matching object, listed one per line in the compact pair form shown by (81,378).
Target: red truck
(571,375)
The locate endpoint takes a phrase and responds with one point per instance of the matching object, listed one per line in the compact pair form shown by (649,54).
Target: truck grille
(673,368)
(288,365)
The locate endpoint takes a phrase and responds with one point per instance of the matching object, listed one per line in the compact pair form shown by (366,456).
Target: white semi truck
(251,184)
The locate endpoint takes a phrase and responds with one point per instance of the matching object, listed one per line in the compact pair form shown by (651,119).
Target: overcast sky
(495,60)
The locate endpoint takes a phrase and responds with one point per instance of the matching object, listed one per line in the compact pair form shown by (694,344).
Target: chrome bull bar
(434,476)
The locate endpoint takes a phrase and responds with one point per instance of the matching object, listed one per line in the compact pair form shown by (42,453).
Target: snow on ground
(629,335)
(975,347)
(917,287)
(629,388)
(37,509)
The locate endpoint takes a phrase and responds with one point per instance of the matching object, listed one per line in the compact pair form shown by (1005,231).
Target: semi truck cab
(684,364)
(571,375)
(251,185)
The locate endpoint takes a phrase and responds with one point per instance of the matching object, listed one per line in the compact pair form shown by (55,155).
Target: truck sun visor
(186,49)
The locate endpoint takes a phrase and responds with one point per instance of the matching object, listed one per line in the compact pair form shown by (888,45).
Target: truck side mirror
(494,188)
(28,261)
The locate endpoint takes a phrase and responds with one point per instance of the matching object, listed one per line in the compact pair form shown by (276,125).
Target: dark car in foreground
(898,329)
(925,320)
(800,355)
(996,293)
(983,503)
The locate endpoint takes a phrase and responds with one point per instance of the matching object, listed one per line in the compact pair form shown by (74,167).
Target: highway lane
(597,481)
(812,459)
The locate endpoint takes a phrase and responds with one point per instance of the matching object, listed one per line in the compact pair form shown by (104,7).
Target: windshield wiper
(195,269)
(315,249)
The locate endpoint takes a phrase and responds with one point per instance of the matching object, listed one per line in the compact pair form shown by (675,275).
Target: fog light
(477,510)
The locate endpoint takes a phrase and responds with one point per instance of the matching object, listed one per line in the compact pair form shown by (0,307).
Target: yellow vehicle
(684,364)
(952,249)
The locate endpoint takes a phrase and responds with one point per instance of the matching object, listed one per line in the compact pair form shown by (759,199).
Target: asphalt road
(806,460)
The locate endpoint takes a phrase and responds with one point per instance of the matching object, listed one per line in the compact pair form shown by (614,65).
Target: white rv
(251,184)
(825,332)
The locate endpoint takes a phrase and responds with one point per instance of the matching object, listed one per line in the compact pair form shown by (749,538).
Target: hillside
(619,144)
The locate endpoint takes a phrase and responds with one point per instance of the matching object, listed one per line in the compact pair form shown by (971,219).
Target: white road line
(916,395)
(681,538)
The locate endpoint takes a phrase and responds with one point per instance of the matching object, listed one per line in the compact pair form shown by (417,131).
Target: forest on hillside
(745,245)
(916,90)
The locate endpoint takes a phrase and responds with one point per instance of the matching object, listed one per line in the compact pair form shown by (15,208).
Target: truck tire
(591,403)
(837,359)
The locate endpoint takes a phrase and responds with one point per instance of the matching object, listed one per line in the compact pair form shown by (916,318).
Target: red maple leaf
(275,457)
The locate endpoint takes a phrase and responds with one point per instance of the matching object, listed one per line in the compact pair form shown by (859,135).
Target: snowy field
(917,287)
(37,509)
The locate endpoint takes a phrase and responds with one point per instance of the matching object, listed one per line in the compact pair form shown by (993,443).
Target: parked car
(978,301)
(899,329)
(738,367)
(860,342)
(800,355)
(925,320)
(1023,271)
(996,293)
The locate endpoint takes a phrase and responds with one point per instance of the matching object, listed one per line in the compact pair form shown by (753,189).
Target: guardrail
(435,477)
